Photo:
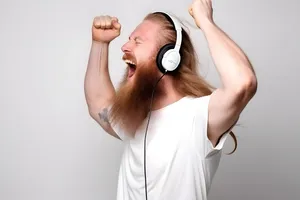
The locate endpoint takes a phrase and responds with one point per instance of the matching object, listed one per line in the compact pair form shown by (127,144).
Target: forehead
(147,30)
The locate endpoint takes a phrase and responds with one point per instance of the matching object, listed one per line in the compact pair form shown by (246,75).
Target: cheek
(145,54)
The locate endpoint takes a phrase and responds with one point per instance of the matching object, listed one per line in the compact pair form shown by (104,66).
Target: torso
(176,165)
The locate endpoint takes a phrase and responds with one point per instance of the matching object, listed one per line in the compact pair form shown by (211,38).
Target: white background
(50,149)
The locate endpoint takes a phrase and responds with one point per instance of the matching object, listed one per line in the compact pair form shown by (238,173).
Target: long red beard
(131,105)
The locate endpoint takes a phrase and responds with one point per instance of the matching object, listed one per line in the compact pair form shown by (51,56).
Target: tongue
(131,71)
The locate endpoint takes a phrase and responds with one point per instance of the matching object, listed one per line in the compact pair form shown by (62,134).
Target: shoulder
(199,103)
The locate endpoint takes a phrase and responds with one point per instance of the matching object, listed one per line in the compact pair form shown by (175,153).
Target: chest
(168,147)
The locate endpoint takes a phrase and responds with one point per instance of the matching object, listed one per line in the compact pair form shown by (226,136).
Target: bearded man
(190,120)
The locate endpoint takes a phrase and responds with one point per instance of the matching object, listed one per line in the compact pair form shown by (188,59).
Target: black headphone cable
(150,107)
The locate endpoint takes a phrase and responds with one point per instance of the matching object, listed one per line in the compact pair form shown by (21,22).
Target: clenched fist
(202,12)
(105,28)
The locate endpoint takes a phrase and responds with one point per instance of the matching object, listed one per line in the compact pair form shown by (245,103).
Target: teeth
(129,62)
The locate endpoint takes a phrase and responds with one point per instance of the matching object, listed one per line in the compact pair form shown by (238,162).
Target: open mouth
(131,67)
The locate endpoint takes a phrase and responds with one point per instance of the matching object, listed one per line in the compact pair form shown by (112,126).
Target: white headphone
(168,57)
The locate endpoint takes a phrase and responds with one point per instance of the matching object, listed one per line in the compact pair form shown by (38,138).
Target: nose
(126,47)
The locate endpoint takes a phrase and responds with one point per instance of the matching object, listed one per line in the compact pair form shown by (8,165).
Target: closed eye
(137,40)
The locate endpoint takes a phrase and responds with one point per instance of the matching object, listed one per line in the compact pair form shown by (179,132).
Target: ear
(161,54)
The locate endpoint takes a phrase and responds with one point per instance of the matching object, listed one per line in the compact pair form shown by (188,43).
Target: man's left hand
(202,12)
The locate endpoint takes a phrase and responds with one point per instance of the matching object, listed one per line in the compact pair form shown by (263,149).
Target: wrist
(207,25)
(99,43)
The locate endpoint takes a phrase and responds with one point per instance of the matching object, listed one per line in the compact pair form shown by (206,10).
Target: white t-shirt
(181,160)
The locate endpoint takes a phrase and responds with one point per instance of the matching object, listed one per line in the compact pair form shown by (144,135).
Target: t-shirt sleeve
(204,145)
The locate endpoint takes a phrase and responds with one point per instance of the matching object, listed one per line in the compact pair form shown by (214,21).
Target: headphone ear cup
(171,60)
(161,54)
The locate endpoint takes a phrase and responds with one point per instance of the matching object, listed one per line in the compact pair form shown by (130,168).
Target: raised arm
(99,90)
(237,75)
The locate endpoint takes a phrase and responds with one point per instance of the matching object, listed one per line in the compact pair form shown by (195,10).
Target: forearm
(233,66)
(97,84)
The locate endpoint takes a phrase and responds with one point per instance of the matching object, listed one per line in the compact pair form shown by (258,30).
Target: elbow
(251,85)
(247,87)
(92,114)
(93,108)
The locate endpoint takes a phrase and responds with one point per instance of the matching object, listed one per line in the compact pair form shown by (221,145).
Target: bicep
(101,117)
(223,112)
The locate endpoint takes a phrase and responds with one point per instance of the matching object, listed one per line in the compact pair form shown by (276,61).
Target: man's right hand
(105,28)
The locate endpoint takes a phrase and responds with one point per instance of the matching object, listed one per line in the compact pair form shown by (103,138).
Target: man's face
(134,93)
(141,49)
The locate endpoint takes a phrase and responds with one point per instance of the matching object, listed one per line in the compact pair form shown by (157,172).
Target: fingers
(114,19)
(115,23)
(106,22)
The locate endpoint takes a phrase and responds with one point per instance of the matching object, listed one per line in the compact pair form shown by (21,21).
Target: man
(189,120)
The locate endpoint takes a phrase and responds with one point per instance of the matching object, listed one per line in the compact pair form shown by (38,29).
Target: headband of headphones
(168,57)
(177,28)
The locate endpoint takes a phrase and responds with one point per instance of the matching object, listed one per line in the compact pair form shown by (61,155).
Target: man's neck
(170,95)
(165,101)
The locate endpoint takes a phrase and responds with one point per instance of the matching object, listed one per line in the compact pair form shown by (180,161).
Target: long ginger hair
(187,78)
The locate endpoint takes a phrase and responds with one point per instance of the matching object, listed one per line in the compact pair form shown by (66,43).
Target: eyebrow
(136,38)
